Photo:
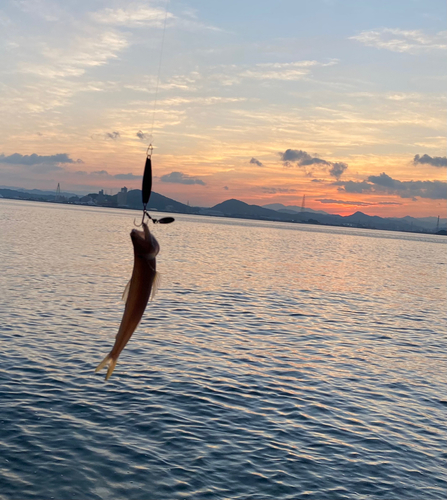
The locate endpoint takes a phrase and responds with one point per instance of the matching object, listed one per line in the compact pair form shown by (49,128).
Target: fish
(141,287)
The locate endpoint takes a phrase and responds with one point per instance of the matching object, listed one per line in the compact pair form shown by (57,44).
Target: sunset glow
(341,101)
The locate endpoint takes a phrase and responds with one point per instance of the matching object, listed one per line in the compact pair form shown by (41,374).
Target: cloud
(103,173)
(226,188)
(386,181)
(112,135)
(75,57)
(34,159)
(181,178)
(132,16)
(355,187)
(272,190)
(436,161)
(267,73)
(135,16)
(283,71)
(303,159)
(143,136)
(357,203)
(201,101)
(337,169)
(383,183)
(397,40)
(300,157)
(108,136)
(127,177)
(254,161)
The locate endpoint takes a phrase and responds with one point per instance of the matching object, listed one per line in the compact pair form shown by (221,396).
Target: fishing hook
(163,220)
(145,213)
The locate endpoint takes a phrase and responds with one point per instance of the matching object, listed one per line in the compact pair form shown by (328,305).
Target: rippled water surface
(278,361)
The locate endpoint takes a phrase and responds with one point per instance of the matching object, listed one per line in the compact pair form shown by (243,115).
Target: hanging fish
(141,287)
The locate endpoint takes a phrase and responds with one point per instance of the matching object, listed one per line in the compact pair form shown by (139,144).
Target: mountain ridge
(292,208)
(239,209)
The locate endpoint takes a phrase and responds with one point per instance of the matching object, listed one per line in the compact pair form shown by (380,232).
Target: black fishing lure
(146,190)
(147,182)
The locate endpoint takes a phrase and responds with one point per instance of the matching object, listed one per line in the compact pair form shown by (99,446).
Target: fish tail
(103,363)
(108,360)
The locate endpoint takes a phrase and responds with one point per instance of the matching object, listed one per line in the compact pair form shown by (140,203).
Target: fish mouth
(139,235)
(143,242)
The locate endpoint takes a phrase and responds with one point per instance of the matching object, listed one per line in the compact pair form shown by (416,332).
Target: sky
(343,101)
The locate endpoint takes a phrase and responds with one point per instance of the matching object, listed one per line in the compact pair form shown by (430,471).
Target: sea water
(278,360)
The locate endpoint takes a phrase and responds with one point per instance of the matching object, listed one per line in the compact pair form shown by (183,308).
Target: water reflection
(278,361)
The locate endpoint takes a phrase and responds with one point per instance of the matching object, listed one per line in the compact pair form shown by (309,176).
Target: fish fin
(155,285)
(126,292)
(104,362)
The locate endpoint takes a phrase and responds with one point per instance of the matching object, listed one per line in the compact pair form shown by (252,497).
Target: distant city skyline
(338,100)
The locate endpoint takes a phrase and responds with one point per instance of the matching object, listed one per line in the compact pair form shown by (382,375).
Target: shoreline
(314,222)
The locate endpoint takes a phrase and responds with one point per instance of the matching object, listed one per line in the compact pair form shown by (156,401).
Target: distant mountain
(24,195)
(237,208)
(38,192)
(279,207)
(428,223)
(158,202)
(406,223)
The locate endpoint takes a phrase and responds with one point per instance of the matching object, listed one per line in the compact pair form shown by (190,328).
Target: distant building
(100,198)
(122,197)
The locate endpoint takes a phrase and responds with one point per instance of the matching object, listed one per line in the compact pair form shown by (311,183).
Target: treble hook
(163,220)
(145,213)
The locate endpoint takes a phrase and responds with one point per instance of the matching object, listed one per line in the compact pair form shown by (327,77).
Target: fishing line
(146,187)
(159,67)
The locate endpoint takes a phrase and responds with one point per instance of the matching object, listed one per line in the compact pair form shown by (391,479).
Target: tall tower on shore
(303,204)
(58,192)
